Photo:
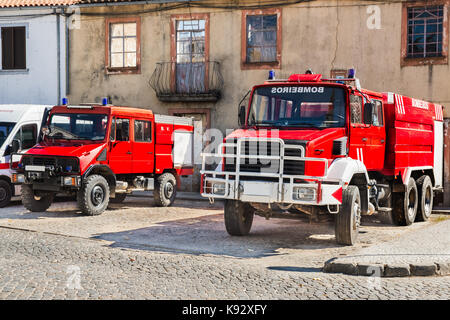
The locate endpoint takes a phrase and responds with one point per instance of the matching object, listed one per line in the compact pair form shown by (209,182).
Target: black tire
(238,217)
(119,198)
(165,190)
(349,216)
(425,191)
(5,193)
(405,205)
(93,197)
(30,202)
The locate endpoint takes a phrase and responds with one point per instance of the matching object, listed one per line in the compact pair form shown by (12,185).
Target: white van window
(27,135)
(5,130)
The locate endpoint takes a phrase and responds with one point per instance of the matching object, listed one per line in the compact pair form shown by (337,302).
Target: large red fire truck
(101,152)
(327,146)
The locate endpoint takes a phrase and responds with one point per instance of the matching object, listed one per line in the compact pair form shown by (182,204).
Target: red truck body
(313,145)
(130,148)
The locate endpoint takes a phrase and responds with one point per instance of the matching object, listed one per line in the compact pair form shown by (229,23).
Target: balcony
(181,82)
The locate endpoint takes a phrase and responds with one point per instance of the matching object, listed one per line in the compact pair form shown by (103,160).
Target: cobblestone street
(37,262)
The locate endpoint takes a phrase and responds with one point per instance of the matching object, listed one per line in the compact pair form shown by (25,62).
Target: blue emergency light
(271,75)
(65,101)
(104,101)
(351,73)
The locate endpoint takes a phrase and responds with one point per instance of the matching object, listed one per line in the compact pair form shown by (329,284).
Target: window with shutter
(13,48)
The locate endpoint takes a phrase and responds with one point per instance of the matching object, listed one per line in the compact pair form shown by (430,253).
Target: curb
(388,270)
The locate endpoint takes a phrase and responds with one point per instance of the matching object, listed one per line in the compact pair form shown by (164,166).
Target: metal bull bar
(225,176)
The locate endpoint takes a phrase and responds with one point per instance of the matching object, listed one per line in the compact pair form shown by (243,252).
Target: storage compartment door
(182,149)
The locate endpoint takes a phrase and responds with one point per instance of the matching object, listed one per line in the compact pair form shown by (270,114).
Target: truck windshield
(5,130)
(298,106)
(75,126)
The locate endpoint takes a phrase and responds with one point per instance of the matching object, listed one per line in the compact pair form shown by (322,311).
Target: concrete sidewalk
(423,252)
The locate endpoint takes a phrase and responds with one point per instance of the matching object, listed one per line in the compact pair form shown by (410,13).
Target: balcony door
(191,56)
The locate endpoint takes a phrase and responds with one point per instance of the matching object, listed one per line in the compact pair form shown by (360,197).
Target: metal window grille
(425,29)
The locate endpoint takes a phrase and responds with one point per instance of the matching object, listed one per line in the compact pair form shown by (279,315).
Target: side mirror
(368,111)
(241,115)
(15,146)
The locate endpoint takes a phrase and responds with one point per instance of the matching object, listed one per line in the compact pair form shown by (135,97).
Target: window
(13,48)
(123,45)
(424,33)
(27,135)
(122,129)
(261,39)
(142,131)
(190,39)
(5,130)
(356,109)
(377,113)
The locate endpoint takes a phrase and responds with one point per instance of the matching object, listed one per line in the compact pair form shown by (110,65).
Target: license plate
(35,168)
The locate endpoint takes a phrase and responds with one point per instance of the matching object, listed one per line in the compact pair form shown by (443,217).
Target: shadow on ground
(207,235)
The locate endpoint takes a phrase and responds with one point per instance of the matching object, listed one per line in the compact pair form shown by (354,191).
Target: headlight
(304,193)
(18,178)
(70,181)
(219,188)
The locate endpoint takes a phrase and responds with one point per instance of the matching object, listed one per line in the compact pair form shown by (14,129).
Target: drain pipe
(58,58)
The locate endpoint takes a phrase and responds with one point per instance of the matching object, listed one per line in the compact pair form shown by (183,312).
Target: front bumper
(269,187)
(41,181)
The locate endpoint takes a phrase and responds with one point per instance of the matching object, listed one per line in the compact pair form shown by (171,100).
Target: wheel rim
(97,196)
(168,190)
(427,202)
(411,204)
(2,194)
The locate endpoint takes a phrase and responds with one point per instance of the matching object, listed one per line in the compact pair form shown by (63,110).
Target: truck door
(143,147)
(376,142)
(358,135)
(120,155)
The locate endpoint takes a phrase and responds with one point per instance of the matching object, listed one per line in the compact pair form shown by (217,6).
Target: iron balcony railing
(196,81)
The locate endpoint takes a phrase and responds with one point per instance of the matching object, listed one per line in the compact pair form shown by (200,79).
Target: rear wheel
(93,198)
(119,198)
(425,191)
(5,193)
(238,217)
(35,202)
(165,190)
(405,205)
(349,216)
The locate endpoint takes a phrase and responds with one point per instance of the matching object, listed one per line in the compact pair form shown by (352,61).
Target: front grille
(253,147)
(60,164)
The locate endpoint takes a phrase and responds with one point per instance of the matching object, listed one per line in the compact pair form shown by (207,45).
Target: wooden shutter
(7,48)
(19,48)
(13,48)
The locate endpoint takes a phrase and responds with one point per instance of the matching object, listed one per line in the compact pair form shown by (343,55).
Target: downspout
(67,56)
(58,59)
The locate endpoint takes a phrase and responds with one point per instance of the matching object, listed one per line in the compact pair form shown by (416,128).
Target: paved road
(95,265)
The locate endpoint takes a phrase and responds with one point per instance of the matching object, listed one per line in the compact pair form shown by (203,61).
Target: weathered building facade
(200,58)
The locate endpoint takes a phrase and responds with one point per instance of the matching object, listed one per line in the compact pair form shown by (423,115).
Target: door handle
(129,152)
(364,139)
(382,140)
(150,152)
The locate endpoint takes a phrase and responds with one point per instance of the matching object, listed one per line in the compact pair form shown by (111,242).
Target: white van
(17,122)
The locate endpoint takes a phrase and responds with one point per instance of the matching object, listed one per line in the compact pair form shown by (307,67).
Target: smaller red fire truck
(101,152)
(326,146)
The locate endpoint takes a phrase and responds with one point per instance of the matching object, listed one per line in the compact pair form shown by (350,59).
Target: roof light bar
(80,107)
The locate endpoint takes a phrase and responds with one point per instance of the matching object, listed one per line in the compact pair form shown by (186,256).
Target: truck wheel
(405,205)
(165,190)
(35,203)
(238,217)
(93,198)
(5,193)
(425,191)
(348,219)
(120,197)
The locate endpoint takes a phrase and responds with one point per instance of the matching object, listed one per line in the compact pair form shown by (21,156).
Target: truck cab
(19,124)
(100,152)
(323,146)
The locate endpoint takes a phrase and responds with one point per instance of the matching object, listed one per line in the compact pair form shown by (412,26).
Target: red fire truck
(101,152)
(327,146)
